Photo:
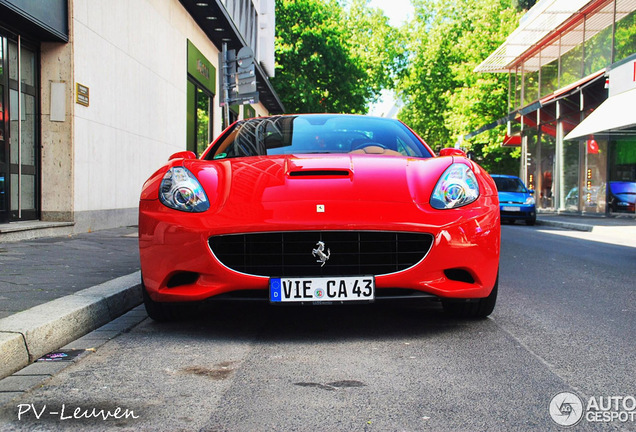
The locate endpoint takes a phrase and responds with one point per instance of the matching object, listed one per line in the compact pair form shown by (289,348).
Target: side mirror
(531,191)
(452,152)
(183,155)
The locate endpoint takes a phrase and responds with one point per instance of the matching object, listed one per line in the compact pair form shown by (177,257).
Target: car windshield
(509,184)
(319,133)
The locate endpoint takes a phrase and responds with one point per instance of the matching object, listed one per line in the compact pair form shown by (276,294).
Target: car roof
(504,176)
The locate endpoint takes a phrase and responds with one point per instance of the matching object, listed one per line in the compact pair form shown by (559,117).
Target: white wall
(133,57)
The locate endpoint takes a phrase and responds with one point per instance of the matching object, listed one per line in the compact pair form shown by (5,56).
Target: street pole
(226,87)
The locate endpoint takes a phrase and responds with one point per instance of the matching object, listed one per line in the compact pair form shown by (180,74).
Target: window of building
(598,51)
(546,159)
(518,83)
(571,66)
(594,176)
(625,37)
(621,191)
(203,120)
(200,100)
(533,178)
(549,78)
(19,130)
(4,181)
(531,87)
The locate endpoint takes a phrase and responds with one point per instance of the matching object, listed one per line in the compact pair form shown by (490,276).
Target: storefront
(201,92)
(21,31)
(566,60)
(609,135)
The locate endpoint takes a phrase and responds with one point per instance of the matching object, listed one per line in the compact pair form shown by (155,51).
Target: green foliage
(378,46)
(332,57)
(444,99)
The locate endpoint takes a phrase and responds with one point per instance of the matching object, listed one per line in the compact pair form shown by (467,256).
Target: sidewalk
(55,290)
(620,230)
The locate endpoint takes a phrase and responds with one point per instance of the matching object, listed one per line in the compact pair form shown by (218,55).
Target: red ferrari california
(319,209)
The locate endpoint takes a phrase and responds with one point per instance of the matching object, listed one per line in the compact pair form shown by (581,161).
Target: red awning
(511,141)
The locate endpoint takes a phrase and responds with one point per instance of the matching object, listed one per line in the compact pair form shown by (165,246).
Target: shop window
(531,90)
(4,181)
(203,121)
(200,100)
(200,118)
(593,182)
(532,167)
(571,158)
(624,160)
(598,51)
(546,153)
(625,37)
(19,163)
(549,78)
(571,66)
(518,83)
(621,192)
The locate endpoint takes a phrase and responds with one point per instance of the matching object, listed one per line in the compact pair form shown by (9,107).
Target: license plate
(512,209)
(322,289)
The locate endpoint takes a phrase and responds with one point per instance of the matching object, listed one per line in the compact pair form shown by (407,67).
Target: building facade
(96,94)
(568,63)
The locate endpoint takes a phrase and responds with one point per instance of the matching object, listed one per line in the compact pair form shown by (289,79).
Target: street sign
(227,74)
(245,74)
(238,77)
(248,98)
(246,86)
(245,57)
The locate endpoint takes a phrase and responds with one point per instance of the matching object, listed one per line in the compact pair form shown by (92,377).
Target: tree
(378,46)
(331,56)
(444,98)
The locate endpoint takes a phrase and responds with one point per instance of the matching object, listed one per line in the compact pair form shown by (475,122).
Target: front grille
(288,254)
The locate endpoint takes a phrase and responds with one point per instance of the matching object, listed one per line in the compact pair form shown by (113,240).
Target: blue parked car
(622,196)
(515,200)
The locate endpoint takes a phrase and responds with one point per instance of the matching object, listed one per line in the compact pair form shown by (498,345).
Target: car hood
(289,178)
(513,197)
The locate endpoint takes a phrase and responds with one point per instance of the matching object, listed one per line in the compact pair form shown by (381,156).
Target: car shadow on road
(246,321)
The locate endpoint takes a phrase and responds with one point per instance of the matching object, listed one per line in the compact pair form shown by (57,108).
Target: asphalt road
(565,321)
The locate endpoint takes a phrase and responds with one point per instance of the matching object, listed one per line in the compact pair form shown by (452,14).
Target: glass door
(23,155)
(4,145)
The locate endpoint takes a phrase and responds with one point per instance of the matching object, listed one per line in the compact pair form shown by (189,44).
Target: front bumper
(178,264)
(518,211)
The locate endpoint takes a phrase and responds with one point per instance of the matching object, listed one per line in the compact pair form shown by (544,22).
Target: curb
(28,335)
(567,225)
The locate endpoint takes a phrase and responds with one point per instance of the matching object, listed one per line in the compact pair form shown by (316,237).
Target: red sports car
(320,209)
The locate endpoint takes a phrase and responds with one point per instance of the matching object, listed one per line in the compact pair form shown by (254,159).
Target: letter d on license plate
(322,289)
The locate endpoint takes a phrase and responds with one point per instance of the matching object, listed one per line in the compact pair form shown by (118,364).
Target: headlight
(180,190)
(530,200)
(455,188)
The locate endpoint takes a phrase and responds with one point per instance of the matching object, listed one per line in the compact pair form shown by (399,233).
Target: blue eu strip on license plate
(322,289)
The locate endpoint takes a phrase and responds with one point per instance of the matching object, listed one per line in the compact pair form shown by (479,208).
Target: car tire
(163,312)
(473,309)
(531,222)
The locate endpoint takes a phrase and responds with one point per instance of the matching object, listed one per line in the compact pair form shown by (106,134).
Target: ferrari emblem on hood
(319,253)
